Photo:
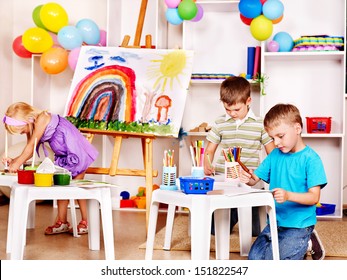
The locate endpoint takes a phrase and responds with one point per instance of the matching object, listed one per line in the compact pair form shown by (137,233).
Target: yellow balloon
(53,17)
(37,40)
(54,61)
(261,28)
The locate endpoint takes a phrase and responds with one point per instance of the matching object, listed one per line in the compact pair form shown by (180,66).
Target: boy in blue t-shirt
(296,176)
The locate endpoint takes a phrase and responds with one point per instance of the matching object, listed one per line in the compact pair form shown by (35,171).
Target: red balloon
(245,20)
(19,49)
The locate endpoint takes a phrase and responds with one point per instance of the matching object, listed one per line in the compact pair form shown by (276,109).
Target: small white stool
(201,208)
(23,197)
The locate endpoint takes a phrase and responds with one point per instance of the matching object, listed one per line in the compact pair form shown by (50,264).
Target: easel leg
(115,155)
(147,144)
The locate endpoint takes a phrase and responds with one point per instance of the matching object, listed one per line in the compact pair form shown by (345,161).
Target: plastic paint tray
(194,185)
(325,209)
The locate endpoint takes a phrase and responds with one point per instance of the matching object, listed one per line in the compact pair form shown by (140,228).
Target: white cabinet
(313,81)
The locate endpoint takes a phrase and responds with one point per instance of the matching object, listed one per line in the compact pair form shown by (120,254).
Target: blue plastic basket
(325,209)
(194,185)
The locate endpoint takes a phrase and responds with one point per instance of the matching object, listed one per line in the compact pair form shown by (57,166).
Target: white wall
(16,72)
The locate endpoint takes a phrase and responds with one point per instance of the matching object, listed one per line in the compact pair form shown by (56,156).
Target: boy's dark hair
(282,112)
(235,90)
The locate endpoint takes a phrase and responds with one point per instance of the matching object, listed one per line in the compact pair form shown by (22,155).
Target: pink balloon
(103,38)
(273,46)
(199,14)
(73,58)
(172,3)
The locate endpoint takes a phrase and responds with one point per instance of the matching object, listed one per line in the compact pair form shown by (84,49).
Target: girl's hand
(13,166)
(280,195)
(6,161)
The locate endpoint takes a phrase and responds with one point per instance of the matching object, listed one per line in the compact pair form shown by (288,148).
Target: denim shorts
(292,243)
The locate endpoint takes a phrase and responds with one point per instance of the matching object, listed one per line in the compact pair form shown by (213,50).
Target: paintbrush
(245,168)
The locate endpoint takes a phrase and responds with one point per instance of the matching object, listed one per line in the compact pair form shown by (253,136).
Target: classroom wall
(16,72)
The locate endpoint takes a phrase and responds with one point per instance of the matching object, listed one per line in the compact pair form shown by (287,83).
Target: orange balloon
(277,20)
(54,61)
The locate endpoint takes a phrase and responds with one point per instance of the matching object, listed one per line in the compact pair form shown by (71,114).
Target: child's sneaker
(316,247)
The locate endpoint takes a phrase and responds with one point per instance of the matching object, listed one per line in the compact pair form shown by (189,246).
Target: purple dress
(72,150)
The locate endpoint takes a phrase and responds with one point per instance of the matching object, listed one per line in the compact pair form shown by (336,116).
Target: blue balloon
(250,8)
(173,17)
(273,9)
(89,30)
(285,41)
(69,37)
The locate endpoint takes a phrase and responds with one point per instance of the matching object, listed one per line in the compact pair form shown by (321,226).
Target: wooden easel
(113,170)
(139,28)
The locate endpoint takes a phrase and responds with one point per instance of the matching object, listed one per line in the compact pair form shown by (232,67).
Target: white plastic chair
(23,198)
(201,208)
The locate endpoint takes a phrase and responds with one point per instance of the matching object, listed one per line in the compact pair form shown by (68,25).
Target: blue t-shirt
(294,172)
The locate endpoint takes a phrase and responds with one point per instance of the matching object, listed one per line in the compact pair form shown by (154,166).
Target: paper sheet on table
(233,189)
(90,184)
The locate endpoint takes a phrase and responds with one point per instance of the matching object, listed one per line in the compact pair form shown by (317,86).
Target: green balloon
(36,17)
(187,9)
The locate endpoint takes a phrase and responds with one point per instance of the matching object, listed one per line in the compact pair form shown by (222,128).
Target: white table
(23,197)
(201,208)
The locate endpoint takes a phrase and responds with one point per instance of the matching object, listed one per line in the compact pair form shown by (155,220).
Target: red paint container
(26,176)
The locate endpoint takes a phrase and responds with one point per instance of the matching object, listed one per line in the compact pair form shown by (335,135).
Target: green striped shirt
(250,135)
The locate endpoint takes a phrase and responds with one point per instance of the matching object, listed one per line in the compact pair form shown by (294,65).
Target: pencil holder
(232,171)
(169,178)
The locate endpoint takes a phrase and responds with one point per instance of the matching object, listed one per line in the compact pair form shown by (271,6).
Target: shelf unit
(313,81)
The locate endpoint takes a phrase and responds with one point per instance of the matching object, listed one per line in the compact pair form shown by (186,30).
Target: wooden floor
(129,232)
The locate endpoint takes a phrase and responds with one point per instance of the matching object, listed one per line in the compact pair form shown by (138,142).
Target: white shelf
(304,55)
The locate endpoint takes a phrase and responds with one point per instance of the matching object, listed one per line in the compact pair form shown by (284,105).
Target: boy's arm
(309,198)
(249,178)
(209,155)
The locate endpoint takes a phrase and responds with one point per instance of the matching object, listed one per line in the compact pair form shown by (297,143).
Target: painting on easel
(130,89)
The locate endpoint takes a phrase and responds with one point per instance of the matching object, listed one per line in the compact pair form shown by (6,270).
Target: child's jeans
(292,242)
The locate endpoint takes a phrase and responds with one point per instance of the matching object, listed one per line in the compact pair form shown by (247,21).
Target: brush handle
(245,168)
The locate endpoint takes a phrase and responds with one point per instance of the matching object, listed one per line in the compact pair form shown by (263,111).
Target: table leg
(93,224)
(19,222)
(107,223)
(169,226)
(245,229)
(222,233)
(274,234)
(200,229)
(152,226)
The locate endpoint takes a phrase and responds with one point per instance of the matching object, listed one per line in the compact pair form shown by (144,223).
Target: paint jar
(43,179)
(25,176)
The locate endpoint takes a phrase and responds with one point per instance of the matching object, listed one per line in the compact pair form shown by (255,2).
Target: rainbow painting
(136,90)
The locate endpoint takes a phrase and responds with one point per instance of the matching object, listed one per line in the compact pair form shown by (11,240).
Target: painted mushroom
(162,103)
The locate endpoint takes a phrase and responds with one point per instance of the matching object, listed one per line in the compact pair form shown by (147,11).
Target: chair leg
(169,226)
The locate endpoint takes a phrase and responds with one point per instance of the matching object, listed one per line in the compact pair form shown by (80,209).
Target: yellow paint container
(43,179)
